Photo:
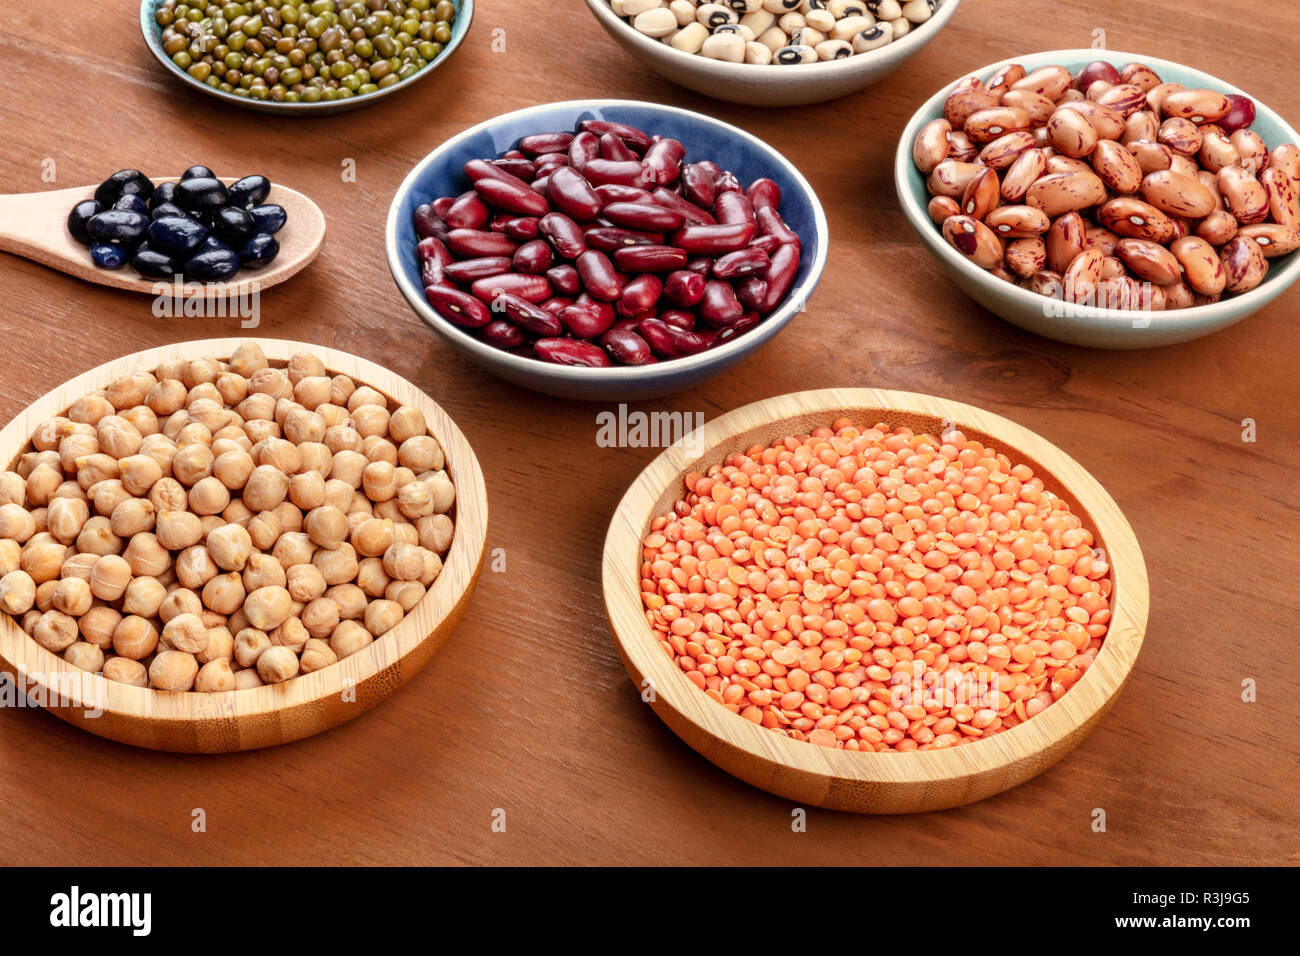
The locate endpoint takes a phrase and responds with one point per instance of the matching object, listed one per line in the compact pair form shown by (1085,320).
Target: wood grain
(527,708)
(34,225)
(839,779)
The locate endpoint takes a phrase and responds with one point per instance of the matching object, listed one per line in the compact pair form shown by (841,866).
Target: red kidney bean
(584,148)
(599,276)
(649,258)
(442,206)
(465,271)
(434,259)
(678,318)
(647,217)
(752,293)
(770,223)
(571,352)
(556,303)
(498,222)
(768,244)
(626,346)
(658,334)
(478,169)
(586,321)
(736,329)
(636,139)
(457,307)
(640,295)
(572,195)
(663,160)
(606,308)
(744,262)
(534,258)
(611,239)
(519,168)
(522,228)
(427,224)
(503,334)
(692,215)
(564,279)
(539,144)
(727,182)
(528,316)
(512,154)
(612,147)
(612,192)
(697,185)
(719,305)
(764,194)
(531,288)
(702,265)
(684,288)
(564,234)
(690,341)
(619,172)
(467,212)
(475,243)
(523,200)
(780,276)
(713,240)
(733,206)
(539,184)
(544,177)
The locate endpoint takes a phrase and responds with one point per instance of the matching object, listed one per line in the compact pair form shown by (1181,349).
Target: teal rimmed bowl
(1076,324)
(153,38)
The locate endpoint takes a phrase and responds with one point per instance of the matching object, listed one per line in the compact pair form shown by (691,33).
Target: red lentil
(876,589)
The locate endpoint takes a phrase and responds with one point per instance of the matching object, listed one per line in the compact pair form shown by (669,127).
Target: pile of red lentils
(876,589)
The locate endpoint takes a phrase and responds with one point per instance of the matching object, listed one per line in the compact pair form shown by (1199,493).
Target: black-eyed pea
(1244,264)
(1017,222)
(1273,239)
(1059,193)
(1203,270)
(1149,261)
(1070,133)
(1177,194)
(930,147)
(1218,227)
(1082,276)
(1243,195)
(1181,136)
(690,38)
(1117,167)
(774,38)
(873,37)
(791,55)
(974,240)
(941,207)
(1135,219)
(1283,197)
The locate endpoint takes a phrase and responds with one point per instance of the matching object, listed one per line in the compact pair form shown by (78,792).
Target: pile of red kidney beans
(604,247)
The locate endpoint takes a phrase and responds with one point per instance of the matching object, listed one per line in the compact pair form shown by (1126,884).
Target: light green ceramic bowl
(153,38)
(1080,325)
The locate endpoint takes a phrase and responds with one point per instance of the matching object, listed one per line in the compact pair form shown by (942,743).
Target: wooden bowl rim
(70,686)
(1091,694)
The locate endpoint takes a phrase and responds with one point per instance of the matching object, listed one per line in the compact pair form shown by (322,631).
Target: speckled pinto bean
(876,589)
(1115,163)
(570,235)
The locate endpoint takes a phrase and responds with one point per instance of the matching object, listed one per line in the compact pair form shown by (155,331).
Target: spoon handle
(34,225)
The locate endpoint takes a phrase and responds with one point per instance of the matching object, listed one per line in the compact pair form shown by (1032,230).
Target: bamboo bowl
(192,722)
(846,780)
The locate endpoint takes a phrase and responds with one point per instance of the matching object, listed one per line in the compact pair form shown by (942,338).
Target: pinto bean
(1070,133)
(984,126)
(1149,261)
(1243,196)
(1203,271)
(941,207)
(1058,193)
(1178,195)
(1117,167)
(1218,227)
(1017,222)
(974,240)
(1065,240)
(981,195)
(1026,256)
(1135,219)
(1027,168)
(1283,196)
(1273,239)
(1244,264)
(931,145)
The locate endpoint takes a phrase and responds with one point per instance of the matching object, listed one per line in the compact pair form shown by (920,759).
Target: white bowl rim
(796,298)
(1212,316)
(755,72)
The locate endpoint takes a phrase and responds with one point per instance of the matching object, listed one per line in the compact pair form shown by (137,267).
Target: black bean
(121,183)
(169,209)
(249,191)
(153,264)
(118,225)
(81,214)
(212,266)
(178,235)
(202,192)
(259,251)
(233,225)
(132,203)
(269,218)
(162,193)
(198,172)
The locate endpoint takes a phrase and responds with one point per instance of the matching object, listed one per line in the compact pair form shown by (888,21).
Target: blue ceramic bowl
(1076,324)
(153,37)
(441,173)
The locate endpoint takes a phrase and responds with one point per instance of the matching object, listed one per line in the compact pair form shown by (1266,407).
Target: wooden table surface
(527,709)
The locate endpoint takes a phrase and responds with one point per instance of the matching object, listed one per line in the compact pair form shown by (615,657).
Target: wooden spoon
(35,226)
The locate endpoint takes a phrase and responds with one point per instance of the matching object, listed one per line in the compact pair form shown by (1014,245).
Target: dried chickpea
(97,626)
(168,495)
(199,371)
(230,546)
(16,523)
(247,679)
(404,562)
(107,495)
(72,597)
(263,571)
(209,497)
(406,593)
(11,556)
(233,469)
(118,437)
(268,607)
(304,365)
(146,556)
(166,397)
(173,670)
(180,601)
(291,634)
(335,416)
(97,537)
(214,677)
(327,527)
(17,593)
(370,420)
(341,438)
(220,645)
(232,388)
(432,568)
(43,557)
(79,566)
(289,516)
(403,531)
(13,488)
(76,447)
(133,516)
(320,617)
(225,593)
(382,616)
(250,644)
(110,577)
(421,453)
(378,448)
(341,495)
(195,567)
(124,670)
(65,518)
(305,581)
(435,533)
(143,597)
(266,488)
(178,530)
(341,389)
(142,418)
(42,483)
(379,481)
(264,530)
(406,423)
(45,596)
(193,462)
(270,381)
(348,638)
(307,490)
(92,469)
(186,632)
(338,566)
(248,359)
(372,578)
(301,426)
(256,408)
(316,655)
(86,656)
(129,390)
(350,600)
(311,391)
(55,631)
(348,467)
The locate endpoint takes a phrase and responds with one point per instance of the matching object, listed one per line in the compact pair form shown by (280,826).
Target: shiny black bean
(259,250)
(121,183)
(233,225)
(81,214)
(118,225)
(249,191)
(153,264)
(212,266)
(202,192)
(269,217)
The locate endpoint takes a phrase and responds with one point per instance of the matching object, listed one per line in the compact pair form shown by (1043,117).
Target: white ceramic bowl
(1088,325)
(756,85)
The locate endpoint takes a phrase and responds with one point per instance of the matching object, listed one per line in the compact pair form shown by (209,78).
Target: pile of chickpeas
(780,32)
(213,526)
(1110,187)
